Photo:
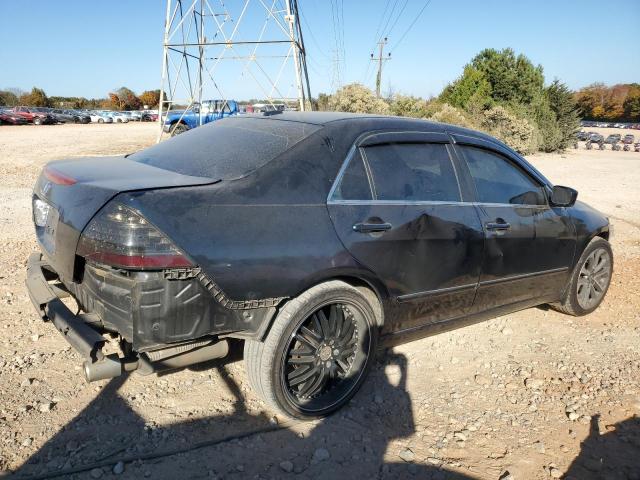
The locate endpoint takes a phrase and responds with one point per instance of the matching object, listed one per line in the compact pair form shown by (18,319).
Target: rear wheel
(100,120)
(317,353)
(589,281)
(37,121)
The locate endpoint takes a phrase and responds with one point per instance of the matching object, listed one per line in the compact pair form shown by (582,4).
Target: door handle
(371,227)
(498,226)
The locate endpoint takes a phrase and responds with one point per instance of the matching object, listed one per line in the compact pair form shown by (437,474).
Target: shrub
(408,106)
(357,98)
(516,132)
(445,113)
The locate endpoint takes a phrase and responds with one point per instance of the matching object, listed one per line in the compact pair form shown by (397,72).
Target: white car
(97,117)
(118,117)
(133,116)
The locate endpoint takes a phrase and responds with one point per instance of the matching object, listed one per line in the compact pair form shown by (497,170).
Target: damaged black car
(315,238)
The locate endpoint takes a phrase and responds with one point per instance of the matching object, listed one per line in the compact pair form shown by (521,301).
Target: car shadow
(355,442)
(611,455)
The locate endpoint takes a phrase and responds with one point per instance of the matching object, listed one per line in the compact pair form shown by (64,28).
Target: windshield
(226,149)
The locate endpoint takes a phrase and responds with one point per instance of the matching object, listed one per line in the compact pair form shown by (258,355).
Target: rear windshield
(226,149)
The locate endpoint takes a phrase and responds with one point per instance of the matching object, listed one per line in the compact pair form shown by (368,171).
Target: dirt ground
(532,395)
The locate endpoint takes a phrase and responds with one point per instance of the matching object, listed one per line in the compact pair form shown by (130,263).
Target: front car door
(528,245)
(398,209)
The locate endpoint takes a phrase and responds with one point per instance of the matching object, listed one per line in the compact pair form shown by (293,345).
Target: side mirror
(563,196)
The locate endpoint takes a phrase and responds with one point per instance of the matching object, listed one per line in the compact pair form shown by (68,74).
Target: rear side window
(354,184)
(412,172)
(498,180)
(226,149)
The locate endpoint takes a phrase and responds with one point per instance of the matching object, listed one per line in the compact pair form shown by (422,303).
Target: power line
(406,2)
(411,25)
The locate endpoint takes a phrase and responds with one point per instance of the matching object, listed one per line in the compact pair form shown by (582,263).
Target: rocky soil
(533,395)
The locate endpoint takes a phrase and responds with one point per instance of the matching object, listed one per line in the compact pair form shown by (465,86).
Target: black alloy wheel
(321,356)
(317,352)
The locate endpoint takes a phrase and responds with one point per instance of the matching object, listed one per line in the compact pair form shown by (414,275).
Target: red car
(33,116)
(11,118)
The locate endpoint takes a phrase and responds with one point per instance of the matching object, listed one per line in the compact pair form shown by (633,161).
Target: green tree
(562,103)
(513,79)
(37,98)
(322,102)
(631,104)
(357,98)
(472,91)
(8,99)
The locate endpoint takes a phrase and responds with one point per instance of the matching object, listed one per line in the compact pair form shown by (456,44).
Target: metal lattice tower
(219,50)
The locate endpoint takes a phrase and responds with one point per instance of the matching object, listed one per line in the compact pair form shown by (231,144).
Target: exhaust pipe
(113,366)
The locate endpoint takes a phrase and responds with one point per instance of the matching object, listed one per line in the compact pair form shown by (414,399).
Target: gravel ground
(532,395)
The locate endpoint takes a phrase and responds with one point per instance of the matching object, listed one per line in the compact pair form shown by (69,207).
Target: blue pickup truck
(179,121)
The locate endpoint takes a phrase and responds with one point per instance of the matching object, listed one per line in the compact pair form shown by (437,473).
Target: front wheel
(178,129)
(37,121)
(589,281)
(317,353)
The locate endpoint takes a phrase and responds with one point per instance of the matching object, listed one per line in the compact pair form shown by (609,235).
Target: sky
(88,48)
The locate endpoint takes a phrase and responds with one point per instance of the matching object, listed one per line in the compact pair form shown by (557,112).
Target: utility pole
(380,59)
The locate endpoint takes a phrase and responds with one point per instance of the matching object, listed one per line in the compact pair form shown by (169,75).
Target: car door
(398,209)
(528,245)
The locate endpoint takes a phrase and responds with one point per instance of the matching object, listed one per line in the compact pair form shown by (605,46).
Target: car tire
(179,128)
(308,336)
(100,120)
(37,121)
(589,273)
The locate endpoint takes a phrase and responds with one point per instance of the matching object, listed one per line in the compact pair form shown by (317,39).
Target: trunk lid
(77,189)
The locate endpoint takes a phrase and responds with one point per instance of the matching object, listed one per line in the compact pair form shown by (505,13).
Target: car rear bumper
(88,340)
(46,298)
(148,309)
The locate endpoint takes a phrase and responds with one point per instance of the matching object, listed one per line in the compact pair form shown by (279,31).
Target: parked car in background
(613,139)
(99,117)
(62,116)
(149,116)
(118,117)
(81,116)
(179,121)
(7,117)
(596,137)
(33,116)
(629,138)
(312,237)
(133,115)
(582,136)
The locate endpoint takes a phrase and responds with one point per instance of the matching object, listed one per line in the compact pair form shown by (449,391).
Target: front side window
(498,180)
(412,172)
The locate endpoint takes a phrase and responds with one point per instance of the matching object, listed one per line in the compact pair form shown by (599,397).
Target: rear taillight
(120,237)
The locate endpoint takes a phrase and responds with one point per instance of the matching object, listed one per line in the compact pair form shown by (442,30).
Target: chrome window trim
(432,202)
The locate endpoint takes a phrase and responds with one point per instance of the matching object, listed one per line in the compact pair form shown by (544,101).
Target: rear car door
(398,209)
(528,245)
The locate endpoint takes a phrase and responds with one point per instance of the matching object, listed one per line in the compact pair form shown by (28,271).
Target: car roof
(384,121)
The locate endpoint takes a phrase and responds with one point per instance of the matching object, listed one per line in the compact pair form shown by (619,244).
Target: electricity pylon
(214,49)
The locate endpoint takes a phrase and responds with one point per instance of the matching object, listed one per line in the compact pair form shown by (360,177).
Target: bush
(408,106)
(357,98)
(445,113)
(516,132)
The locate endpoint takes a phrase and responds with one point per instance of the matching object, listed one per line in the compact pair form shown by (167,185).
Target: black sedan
(312,237)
